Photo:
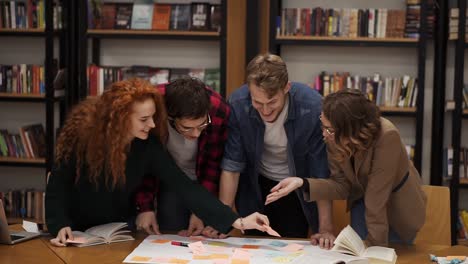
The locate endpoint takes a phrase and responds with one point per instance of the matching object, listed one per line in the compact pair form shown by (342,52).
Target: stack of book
(146,15)
(99,78)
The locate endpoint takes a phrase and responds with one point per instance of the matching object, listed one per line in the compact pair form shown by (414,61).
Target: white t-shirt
(274,161)
(183,151)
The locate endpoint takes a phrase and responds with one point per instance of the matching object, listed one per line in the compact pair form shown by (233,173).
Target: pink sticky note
(197,248)
(241,254)
(271,232)
(292,247)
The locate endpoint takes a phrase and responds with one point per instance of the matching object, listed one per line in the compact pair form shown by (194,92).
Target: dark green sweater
(81,205)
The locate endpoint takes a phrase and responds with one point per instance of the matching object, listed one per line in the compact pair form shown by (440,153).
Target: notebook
(12,237)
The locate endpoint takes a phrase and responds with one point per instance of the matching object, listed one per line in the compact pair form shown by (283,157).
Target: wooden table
(41,251)
(116,253)
(31,251)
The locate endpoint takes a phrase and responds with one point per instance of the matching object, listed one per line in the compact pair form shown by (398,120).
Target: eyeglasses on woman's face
(329,130)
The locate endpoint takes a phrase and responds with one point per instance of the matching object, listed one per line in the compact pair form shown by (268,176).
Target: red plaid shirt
(210,153)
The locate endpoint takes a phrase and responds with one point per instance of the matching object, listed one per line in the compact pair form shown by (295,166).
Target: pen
(178,243)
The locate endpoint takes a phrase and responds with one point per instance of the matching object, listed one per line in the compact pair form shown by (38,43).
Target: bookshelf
(46,107)
(94,43)
(278,44)
(47,100)
(458,116)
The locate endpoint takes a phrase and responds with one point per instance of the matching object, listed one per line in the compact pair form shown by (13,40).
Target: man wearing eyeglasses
(197,131)
(274,133)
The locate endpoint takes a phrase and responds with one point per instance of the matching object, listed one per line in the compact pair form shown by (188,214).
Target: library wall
(306,62)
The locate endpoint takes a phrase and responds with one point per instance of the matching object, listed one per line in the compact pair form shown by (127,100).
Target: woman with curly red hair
(106,149)
(369,168)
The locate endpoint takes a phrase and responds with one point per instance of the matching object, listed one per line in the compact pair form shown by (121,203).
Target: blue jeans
(358,223)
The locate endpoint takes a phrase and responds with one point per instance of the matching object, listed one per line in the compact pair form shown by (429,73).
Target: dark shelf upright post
(275,8)
(48,68)
(421,85)
(438,99)
(82,58)
(457,116)
(223,50)
(252,30)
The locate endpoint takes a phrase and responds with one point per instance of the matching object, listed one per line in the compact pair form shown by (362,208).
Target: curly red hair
(96,132)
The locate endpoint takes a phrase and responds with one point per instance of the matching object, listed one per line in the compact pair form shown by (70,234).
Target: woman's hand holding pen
(283,188)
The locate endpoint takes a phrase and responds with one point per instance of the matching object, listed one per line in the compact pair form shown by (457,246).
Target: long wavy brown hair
(355,120)
(96,131)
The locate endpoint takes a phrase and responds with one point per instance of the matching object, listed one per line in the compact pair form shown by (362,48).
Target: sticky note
(140,258)
(160,241)
(292,247)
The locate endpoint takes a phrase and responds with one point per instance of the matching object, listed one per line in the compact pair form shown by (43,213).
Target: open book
(101,234)
(349,242)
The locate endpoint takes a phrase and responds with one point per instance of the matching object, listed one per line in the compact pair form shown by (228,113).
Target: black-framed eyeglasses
(329,130)
(190,129)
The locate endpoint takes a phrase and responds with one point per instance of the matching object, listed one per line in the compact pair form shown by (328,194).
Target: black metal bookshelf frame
(276,43)
(49,99)
(457,117)
(96,35)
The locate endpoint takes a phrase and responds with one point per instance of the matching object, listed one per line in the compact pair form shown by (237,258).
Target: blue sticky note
(278,244)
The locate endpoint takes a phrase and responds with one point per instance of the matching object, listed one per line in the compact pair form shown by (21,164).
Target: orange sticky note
(251,246)
(462,258)
(160,241)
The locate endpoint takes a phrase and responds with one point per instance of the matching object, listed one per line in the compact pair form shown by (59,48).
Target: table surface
(40,250)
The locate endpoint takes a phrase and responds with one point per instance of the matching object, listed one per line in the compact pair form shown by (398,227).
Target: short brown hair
(269,72)
(355,119)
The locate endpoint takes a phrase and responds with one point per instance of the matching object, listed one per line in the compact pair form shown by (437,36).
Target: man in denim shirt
(274,132)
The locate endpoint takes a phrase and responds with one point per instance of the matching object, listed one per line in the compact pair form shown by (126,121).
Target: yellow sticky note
(240,261)
(179,261)
(140,258)
(219,256)
(201,257)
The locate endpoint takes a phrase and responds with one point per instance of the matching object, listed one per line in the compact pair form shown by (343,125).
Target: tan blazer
(377,171)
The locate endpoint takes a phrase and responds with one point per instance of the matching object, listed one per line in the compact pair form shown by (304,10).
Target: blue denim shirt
(307,156)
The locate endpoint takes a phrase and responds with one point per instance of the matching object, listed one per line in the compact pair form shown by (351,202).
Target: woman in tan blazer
(369,168)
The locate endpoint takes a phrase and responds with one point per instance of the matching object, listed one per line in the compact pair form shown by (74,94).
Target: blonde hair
(268,72)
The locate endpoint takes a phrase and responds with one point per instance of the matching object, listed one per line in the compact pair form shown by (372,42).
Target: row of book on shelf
(353,22)
(22,79)
(462,224)
(29,14)
(24,203)
(147,15)
(448,163)
(100,77)
(28,143)
(453,23)
(388,91)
